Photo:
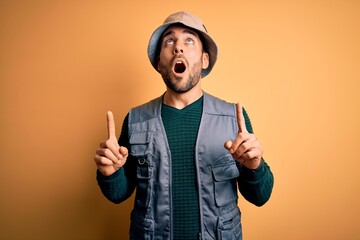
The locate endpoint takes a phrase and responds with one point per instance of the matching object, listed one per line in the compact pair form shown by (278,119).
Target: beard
(175,84)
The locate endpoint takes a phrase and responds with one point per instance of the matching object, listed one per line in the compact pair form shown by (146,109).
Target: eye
(169,42)
(189,41)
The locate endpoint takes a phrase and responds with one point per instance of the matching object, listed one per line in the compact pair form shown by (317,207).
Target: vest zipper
(170,175)
(198,175)
(171,197)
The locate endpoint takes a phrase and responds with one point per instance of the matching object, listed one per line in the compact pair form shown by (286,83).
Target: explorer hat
(189,20)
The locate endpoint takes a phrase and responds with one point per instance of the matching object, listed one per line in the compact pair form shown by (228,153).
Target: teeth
(179,62)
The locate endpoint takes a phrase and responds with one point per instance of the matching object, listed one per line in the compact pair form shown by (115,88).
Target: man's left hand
(246,149)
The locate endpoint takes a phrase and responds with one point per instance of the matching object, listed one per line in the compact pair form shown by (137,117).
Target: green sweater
(181,128)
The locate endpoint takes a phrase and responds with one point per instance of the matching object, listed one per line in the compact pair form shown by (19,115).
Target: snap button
(141,161)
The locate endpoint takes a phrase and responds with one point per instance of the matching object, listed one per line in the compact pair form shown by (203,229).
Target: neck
(182,100)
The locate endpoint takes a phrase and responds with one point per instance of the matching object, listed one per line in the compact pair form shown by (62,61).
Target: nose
(178,49)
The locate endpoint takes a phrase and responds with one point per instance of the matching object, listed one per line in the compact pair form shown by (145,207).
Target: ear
(205,60)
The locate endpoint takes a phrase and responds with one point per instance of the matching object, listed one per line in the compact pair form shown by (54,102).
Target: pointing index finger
(111,125)
(240,118)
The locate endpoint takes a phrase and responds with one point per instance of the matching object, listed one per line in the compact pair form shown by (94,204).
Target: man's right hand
(110,156)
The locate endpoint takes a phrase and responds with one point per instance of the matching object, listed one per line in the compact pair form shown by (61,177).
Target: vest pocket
(225,185)
(140,151)
(141,228)
(143,168)
(140,143)
(143,189)
(229,225)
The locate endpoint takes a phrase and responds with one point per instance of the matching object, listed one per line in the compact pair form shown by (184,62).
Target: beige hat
(189,20)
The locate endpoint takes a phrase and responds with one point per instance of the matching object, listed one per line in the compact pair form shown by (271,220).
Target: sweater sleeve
(255,185)
(120,185)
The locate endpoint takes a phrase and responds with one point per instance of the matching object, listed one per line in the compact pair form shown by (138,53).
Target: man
(186,153)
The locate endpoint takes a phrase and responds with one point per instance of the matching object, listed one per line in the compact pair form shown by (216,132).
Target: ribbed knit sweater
(181,127)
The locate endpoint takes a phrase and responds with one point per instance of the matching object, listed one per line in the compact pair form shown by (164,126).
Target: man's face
(181,59)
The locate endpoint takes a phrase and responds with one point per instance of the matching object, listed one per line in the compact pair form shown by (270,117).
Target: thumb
(123,152)
(228,145)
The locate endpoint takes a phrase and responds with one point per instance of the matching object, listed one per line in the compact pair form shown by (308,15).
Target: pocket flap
(140,143)
(225,172)
(140,138)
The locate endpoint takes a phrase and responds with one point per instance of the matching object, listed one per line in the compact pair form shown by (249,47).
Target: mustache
(177,57)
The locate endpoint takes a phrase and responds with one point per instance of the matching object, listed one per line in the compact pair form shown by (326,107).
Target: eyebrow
(184,31)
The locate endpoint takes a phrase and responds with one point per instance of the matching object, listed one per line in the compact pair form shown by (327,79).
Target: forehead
(179,29)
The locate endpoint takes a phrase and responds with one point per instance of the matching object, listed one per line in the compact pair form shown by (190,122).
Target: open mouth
(179,67)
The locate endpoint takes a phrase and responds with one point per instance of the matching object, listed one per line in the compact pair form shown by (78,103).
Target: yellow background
(295,65)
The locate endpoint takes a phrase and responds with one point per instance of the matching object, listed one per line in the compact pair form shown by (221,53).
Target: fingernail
(119,156)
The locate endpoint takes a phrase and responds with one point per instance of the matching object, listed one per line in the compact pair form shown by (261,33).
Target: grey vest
(216,172)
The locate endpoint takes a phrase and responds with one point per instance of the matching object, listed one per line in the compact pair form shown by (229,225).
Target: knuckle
(99,151)
(244,146)
(237,153)
(249,155)
(107,152)
(108,142)
(242,135)
(100,160)
(105,161)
